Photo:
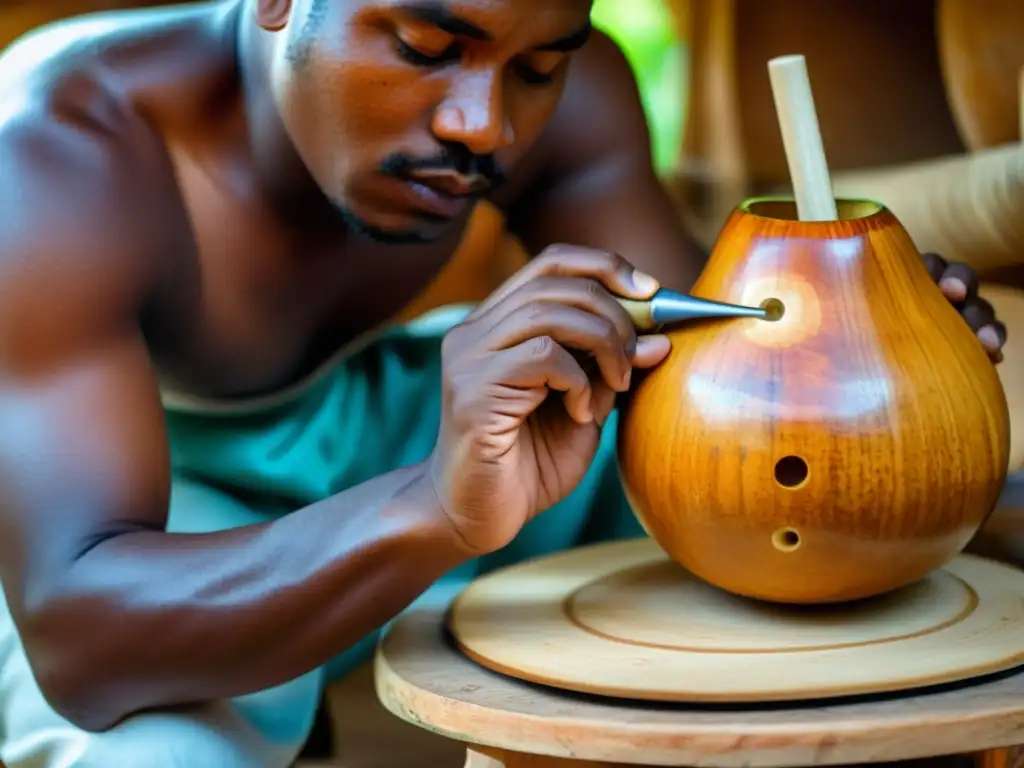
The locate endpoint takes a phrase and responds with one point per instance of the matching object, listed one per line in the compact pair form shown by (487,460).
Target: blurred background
(645,30)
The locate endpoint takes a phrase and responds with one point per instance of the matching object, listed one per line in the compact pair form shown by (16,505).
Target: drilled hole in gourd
(786,540)
(790,471)
(774,309)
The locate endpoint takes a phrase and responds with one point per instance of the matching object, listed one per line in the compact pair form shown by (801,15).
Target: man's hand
(506,450)
(960,285)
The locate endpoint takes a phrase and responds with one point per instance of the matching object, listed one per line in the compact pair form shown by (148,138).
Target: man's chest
(258,303)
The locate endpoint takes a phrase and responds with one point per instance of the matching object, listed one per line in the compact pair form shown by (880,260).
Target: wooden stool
(422,679)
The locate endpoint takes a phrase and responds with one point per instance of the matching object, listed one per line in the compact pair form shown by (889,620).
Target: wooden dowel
(801,138)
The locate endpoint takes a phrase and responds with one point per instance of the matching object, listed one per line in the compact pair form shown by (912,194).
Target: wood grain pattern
(369,736)
(621,619)
(422,679)
(847,449)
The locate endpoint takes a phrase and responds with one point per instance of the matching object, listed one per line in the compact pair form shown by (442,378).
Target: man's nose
(474,114)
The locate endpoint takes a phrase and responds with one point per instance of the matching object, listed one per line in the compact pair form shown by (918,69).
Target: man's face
(407,112)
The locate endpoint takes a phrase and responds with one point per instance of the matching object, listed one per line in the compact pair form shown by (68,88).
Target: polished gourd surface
(848,448)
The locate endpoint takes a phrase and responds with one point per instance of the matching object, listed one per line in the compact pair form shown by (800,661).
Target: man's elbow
(71,667)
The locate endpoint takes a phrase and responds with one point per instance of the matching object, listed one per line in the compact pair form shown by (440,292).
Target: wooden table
(422,679)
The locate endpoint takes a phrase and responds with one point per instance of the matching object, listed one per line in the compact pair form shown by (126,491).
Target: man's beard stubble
(362,228)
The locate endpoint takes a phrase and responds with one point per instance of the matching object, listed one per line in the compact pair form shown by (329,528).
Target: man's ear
(273,15)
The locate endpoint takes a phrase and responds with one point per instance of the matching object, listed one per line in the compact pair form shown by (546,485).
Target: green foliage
(643,29)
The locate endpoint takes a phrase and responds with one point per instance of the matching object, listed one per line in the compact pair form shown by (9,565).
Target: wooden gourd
(844,450)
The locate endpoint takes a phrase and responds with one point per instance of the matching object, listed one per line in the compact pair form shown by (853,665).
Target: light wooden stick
(801,138)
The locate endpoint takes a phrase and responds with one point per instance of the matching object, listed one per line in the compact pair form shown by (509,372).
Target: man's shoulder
(70,131)
(74,156)
(81,80)
(86,187)
(89,43)
(60,61)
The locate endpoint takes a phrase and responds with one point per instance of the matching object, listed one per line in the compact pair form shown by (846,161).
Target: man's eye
(527,73)
(421,59)
(532,76)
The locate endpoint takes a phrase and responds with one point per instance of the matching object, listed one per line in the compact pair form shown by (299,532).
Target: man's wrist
(432,526)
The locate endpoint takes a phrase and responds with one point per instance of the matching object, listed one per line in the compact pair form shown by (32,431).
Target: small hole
(774,308)
(786,540)
(790,471)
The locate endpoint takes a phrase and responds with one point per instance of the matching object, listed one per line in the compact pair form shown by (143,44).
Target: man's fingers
(935,265)
(992,336)
(978,314)
(958,282)
(543,362)
(610,269)
(592,335)
(651,350)
(586,294)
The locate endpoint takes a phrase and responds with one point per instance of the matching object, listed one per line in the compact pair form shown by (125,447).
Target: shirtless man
(224,467)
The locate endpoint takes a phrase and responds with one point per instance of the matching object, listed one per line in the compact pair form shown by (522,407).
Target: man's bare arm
(592,181)
(116,614)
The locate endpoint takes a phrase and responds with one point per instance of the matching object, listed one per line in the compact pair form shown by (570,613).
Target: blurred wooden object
(982,55)
(918,81)
(732,145)
(1009,305)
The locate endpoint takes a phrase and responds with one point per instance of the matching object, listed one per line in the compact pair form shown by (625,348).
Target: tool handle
(639,312)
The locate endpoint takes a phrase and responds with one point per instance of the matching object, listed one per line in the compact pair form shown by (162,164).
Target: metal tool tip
(671,307)
(773,309)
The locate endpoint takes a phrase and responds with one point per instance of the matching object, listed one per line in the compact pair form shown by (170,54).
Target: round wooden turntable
(623,620)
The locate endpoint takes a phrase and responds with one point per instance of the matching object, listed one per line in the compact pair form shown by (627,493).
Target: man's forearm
(150,619)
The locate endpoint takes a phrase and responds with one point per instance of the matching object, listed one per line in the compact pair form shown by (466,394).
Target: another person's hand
(960,285)
(522,416)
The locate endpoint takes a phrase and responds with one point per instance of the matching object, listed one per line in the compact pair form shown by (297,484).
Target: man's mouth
(435,201)
(451,183)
